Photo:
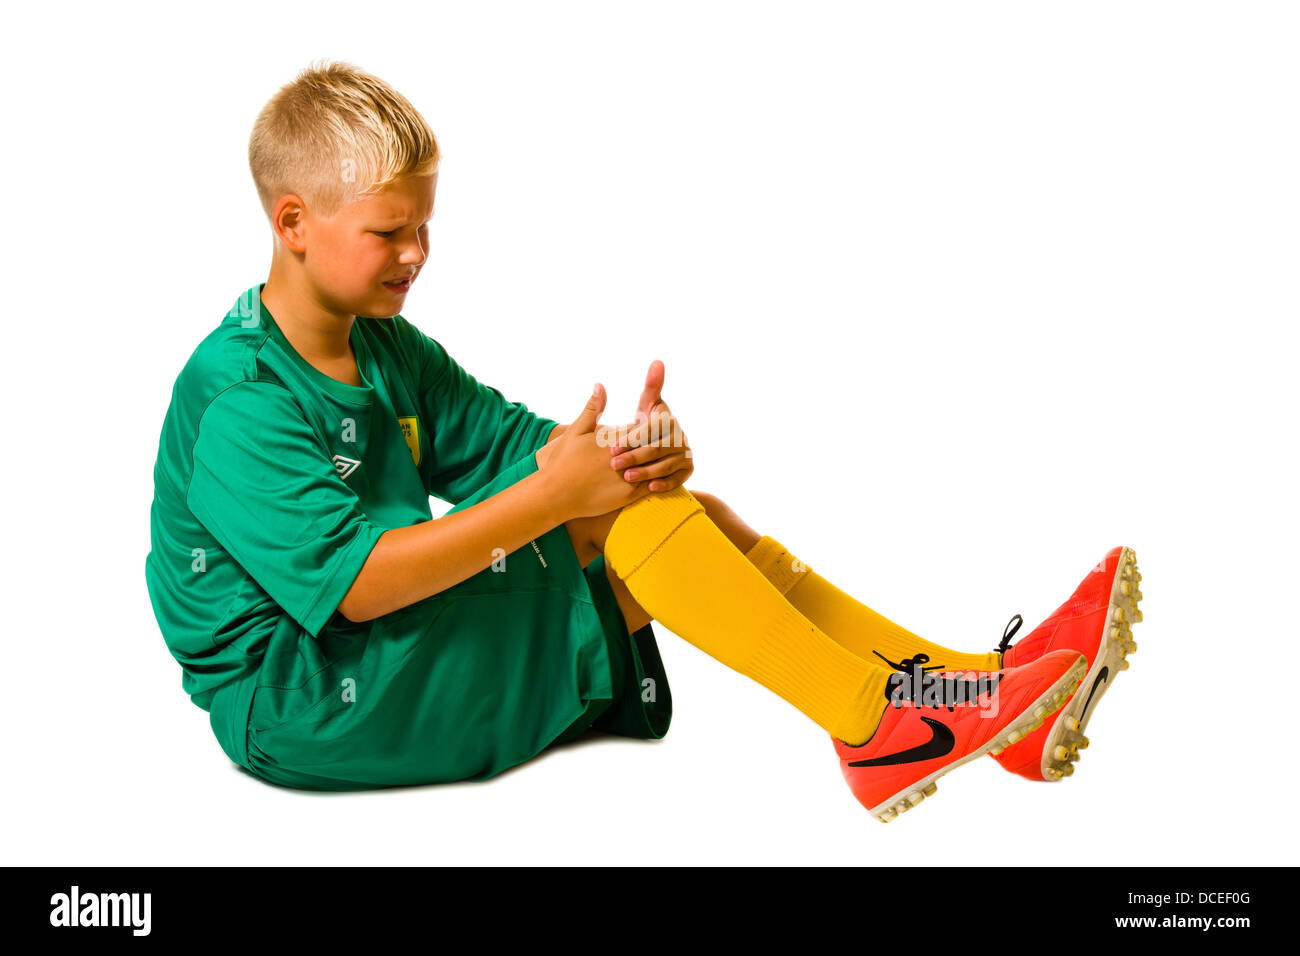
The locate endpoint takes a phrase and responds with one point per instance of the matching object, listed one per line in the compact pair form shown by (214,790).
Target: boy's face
(357,258)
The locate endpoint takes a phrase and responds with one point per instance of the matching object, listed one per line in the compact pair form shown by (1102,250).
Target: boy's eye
(393,232)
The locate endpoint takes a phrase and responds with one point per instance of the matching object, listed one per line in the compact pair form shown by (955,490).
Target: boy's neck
(316,333)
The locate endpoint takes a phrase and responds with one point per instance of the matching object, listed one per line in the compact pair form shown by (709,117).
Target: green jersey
(274,482)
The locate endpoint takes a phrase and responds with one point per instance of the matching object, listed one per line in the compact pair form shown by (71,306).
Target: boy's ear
(287,219)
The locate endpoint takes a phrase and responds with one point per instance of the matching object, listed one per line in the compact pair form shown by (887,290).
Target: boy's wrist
(543,454)
(551,498)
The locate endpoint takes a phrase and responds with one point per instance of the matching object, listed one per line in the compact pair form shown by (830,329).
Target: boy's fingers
(662,427)
(648,455)
(672,480)
(636,456)
(659,468)
(670,435)
(586,420)
(675,480)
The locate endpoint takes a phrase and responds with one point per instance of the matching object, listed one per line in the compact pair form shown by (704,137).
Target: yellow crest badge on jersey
(411,432)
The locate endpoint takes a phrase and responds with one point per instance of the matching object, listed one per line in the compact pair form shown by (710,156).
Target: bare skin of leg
(588,536)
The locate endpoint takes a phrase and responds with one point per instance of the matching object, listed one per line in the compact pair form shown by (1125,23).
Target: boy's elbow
(358,605)
(352,609)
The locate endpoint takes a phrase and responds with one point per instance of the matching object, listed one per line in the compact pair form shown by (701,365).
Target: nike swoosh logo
(940,743)
(1101,679)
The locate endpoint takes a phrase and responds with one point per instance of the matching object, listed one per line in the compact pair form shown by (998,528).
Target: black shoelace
(1008,633)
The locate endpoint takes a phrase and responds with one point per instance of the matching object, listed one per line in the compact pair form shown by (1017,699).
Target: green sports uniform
(272,485)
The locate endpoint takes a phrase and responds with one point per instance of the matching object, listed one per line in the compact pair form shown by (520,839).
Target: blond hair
(336,134)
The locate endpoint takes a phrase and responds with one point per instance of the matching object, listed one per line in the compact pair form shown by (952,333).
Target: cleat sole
(1118,644)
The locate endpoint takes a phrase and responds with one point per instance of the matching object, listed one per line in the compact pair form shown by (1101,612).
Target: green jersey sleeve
(475,432)
(265,489)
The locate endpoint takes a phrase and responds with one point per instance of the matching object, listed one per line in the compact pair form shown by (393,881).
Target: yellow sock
(849,622)
(685,572)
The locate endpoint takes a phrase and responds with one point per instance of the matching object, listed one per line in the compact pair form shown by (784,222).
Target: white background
(953,298)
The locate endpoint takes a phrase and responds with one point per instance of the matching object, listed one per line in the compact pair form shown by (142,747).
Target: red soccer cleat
(935,722)
(1096,622)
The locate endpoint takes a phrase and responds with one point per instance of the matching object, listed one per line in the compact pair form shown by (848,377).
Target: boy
(341,639)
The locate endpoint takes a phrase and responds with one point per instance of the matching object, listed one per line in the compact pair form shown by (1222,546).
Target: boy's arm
(410,564)
(264,488)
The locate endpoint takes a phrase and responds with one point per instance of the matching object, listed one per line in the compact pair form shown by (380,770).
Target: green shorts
(463,685)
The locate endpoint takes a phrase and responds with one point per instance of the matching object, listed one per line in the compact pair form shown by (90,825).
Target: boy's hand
(544,453)
(655,444)
(579,480)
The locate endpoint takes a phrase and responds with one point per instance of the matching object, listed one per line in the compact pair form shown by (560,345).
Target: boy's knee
(712,503)
(738,532)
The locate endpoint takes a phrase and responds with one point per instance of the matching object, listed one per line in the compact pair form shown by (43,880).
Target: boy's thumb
(586,422)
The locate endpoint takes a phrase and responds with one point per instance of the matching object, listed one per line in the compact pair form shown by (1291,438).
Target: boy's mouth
(400,286)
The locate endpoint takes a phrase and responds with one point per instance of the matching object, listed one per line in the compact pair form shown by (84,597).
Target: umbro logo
(345,466)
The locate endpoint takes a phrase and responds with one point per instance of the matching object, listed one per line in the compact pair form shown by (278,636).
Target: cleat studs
(1131,647)
(1067,770)
(1117,615)
(1083,743)
(1115,633)
(1014,736)
(1137,617)
(995,751)
(1123,665)
(929,791)
(1137,596)
(1061,753)
(1124,587)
